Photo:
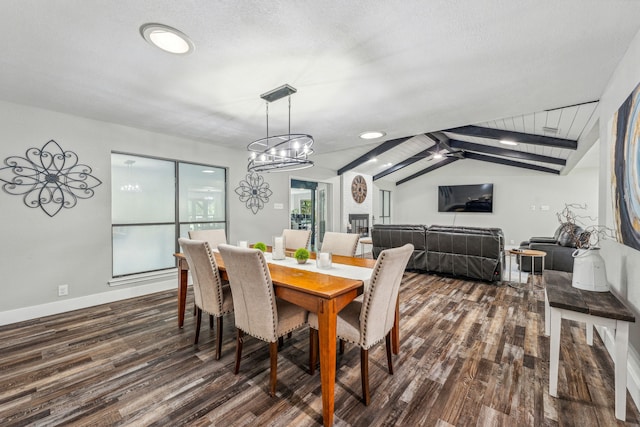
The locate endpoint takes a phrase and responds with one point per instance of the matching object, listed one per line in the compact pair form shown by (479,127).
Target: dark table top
(561,294)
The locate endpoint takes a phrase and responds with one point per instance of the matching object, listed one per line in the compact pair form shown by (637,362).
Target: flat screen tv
(465,198)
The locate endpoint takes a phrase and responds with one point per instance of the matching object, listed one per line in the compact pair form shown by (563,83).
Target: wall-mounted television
(465,198)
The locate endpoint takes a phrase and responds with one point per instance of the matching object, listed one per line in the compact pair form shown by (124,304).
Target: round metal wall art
(254,192)
(48,178)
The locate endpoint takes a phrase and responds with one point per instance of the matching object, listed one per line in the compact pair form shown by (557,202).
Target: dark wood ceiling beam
(440,164)
(385,146)
(525,138)
(499,151)
(506,162)
(403,164)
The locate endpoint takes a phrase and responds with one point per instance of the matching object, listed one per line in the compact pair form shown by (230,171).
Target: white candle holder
(323,260)
(277,250)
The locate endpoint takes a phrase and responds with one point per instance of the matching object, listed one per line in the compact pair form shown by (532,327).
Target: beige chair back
(213,237)
(344,244)
(207,285)
(295,239)
(379,302)
(252,290)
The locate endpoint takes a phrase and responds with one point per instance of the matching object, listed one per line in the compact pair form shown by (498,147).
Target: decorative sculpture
(254,192)
(48,178)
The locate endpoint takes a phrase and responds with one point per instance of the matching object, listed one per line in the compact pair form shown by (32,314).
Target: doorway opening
(309,208)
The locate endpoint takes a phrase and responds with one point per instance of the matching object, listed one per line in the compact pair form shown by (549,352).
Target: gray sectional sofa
(471,252)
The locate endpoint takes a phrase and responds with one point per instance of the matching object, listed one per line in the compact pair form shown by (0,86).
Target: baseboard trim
(57,307)
(633,364)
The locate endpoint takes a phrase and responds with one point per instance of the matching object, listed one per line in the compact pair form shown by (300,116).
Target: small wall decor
(254,192)
(48,178)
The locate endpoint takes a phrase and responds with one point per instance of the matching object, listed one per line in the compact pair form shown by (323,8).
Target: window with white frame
(385,207)
(155,201)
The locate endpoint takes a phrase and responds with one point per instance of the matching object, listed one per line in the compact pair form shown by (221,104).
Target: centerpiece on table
(589,271)
(301,255)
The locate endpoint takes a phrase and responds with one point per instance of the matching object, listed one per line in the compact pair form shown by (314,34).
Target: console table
(563,301)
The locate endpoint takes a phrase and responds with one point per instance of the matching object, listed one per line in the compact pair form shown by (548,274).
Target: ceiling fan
(441,150)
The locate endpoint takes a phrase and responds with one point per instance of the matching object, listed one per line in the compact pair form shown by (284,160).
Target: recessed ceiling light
(386,165)
(167,38)
(506,142)
(437,156)
(373,159)
(372,134)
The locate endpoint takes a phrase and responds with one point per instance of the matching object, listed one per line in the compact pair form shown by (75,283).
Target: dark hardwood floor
(471,354)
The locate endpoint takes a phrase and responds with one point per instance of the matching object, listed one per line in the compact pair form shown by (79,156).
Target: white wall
(622,262)
(38,252)
(515,192)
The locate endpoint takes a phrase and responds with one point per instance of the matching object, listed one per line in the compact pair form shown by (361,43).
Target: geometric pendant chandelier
(279,153)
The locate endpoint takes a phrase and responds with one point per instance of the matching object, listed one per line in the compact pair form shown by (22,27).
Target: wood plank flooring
(471,354)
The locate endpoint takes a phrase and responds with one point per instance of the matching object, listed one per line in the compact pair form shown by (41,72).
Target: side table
(365,241)
(526,252)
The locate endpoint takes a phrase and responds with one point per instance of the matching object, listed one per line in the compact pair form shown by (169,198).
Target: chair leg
(313,350)
(218,337)
(341,346)
(210,321)
(389,360)
(238,351)
(198,319)
(280,342)
(273,354)
(364,374)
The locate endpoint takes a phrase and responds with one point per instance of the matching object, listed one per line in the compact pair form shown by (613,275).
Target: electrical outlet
(63,290)
(533,207)
(512,242)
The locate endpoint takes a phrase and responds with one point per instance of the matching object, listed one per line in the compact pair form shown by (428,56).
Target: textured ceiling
(403,67)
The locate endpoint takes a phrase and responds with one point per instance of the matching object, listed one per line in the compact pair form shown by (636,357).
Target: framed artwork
(625,180)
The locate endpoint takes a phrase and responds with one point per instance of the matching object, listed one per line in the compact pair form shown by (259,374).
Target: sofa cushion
(569,235)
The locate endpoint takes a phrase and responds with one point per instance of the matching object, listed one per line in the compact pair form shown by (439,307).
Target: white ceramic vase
(589,272)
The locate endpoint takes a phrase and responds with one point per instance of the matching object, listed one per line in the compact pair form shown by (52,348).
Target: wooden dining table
(317,292)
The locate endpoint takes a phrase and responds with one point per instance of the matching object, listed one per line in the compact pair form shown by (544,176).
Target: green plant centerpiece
(261,246)
(301,255)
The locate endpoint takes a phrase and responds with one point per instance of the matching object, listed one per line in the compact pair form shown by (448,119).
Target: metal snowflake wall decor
(254,192)
(48,178)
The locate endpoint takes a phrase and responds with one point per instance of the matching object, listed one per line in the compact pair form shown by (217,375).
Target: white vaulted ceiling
(403,67)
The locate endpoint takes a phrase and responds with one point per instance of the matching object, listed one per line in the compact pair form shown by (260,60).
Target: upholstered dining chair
(367,321)
(295,239)
(213,236)
(209,293)
(258,312)
(344,244)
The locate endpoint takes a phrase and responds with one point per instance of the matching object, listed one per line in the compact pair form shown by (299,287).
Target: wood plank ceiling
(546,141)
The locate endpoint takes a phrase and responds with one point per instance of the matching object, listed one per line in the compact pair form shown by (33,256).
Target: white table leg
(547,315)
(621,348)
(590,333)
(520,268)
(554,357)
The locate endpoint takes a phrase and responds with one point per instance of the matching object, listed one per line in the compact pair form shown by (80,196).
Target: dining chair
(344,244)
(210,295)
(212,236)
(367,321)
(295,239)
(258,312)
